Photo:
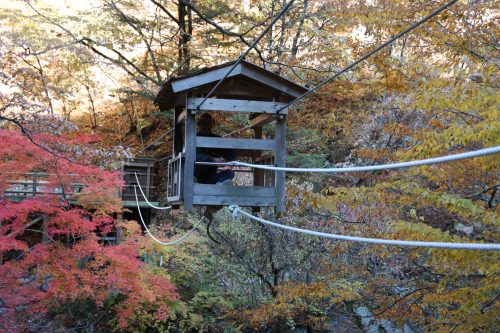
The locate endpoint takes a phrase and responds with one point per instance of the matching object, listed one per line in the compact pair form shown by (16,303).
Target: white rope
(445,245)
(146,199)
(428,161)
(156,239)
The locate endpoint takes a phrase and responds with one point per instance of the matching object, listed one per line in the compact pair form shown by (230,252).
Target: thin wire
(276,18)
(146,199)
(369,54)
(158,139)
(156,239)
(236,131)
(444,245)
(428,161)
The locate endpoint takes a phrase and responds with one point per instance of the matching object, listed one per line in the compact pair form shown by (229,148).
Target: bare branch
(89,43)
(165,10)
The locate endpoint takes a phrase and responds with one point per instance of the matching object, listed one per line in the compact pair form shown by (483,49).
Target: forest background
(77,88)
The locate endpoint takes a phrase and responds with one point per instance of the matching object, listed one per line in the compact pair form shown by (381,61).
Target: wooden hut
(249,89)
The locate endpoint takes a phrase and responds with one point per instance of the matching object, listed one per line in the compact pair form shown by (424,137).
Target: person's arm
(202,157)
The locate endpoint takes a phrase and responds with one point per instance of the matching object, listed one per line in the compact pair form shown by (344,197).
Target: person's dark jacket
(204,173)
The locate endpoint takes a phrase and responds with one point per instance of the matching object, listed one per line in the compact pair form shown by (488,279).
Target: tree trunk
(183,51)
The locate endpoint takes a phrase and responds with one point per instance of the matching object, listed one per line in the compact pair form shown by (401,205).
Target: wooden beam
(181,116)
(274,81)
(203,78)
(178,143)
(261,119)
(142,204)
(216,200)
(245,191)
(235,105)
(231,143)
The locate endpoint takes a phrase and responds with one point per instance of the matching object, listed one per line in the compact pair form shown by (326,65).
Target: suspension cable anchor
(235,209)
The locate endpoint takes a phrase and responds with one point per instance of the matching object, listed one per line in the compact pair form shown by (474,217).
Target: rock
(476,77)
(407,328)
(20,308)
(387,326)
(44,287)
(27,279)
(465,229)
(342,324)
(364,314)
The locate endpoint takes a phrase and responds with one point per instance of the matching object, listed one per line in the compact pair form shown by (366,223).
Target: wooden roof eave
(244,68)
(209,76)
(193,81)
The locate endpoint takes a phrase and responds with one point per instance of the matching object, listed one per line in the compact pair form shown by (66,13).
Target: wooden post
(152,220)
(119,229)
(122,176)
(34,185)
(258,175)
(148,180)
(189,159)
(45,230)
(178,139)
(280,160)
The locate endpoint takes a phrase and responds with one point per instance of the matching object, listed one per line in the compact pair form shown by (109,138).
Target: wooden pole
(189,159)
(280,160)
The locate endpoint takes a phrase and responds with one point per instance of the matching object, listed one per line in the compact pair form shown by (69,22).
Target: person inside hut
(208,174)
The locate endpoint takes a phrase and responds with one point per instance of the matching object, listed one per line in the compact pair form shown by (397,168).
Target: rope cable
(156,239)
(369,54)
(208,232)
(242,56)
(400,165)
(444,245)
(146,199)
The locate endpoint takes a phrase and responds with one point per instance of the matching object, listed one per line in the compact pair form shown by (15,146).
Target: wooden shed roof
(246,75)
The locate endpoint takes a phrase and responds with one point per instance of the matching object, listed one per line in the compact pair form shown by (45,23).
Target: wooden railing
(145,168)
(174,186)
(30,185)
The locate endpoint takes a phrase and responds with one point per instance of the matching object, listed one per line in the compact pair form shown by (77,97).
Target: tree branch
(225,31)
(165,10)
(87,41)
(144,39)
(25,131)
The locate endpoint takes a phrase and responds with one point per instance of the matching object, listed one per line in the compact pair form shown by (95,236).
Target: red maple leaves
(49,243)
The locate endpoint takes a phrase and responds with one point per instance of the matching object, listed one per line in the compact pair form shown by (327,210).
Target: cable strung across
(156,239)
(443,245)
(400,165)
(146,199)
(369,54)
(243,55)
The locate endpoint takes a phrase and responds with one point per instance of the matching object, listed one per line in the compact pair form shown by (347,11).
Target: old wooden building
(248,89)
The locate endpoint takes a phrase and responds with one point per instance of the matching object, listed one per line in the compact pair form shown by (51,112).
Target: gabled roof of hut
(246,81)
